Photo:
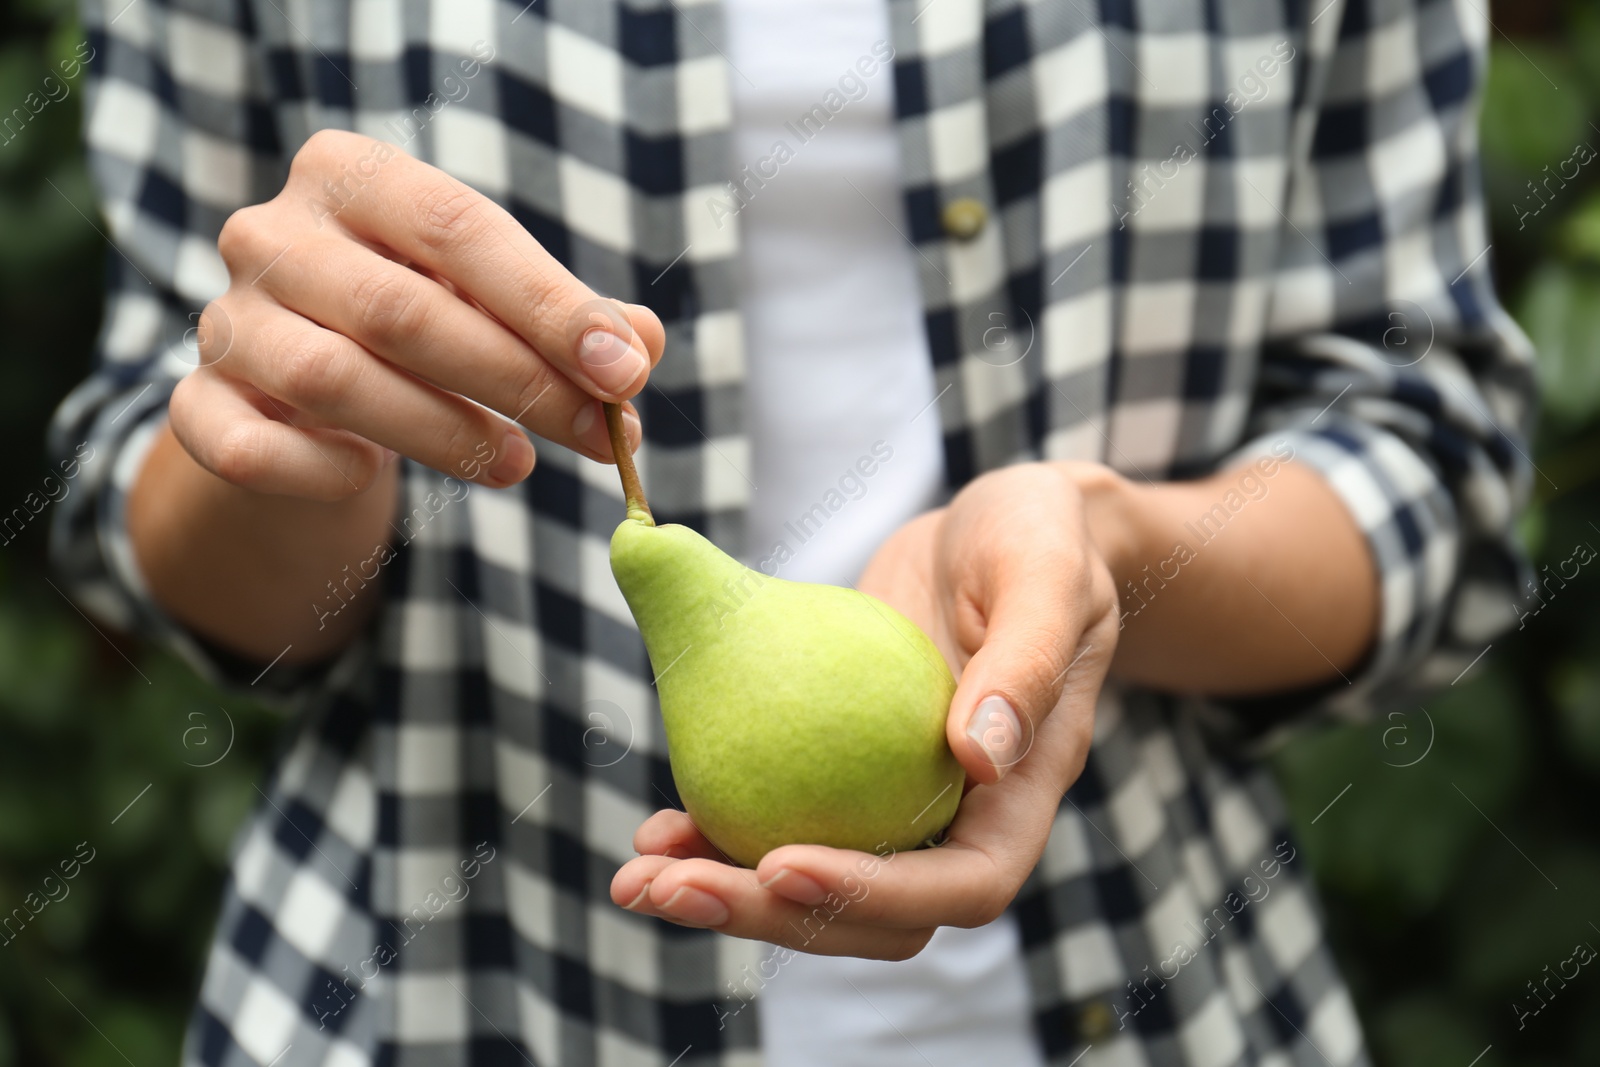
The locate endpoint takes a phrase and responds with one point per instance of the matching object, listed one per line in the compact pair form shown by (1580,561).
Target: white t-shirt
(840,384)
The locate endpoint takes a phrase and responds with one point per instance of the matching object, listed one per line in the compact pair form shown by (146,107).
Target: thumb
(1032,641)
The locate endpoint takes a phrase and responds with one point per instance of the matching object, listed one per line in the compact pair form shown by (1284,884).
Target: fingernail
(696,906)
(610,361)
(589,429)
(800,888)
(516,457)
(633,904)
(998,733)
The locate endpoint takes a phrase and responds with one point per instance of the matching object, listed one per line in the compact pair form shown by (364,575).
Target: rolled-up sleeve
(180,135)
(1391,368)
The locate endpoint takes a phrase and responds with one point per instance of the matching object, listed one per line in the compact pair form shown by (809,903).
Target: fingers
(705,893)
(423,327)
(216,422)
(994,843)
(406,309)
(951,885)
(1012,682)
(299,365)
(647,325)
(967,881)
(1038,605)
(672,833)
(1036,656)
(426,217)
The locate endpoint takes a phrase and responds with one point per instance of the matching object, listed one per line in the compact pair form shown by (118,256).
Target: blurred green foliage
(1440,877)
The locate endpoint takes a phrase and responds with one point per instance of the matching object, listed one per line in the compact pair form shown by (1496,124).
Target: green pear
(795,713)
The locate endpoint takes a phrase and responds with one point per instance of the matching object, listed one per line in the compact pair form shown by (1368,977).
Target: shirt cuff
(121,596)
(1409,521)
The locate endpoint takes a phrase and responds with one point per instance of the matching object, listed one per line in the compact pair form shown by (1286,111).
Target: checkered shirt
(1212,228)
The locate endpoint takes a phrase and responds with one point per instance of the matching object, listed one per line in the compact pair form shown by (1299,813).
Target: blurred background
(1455,844)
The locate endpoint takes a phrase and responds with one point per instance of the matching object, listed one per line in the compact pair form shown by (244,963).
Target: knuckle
(985,911)
(469,445)
(320,152)
(243,235)
(214,332)
(984,907)
(184,405)
(387,307)
(366,466)
(1042,656)
(912,943)
(239,457)
(315,372)
(537,398)
(446,216)
(1103,592)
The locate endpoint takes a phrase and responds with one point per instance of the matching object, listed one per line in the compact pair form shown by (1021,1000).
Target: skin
(348,337)
(357,327)
(1016,581)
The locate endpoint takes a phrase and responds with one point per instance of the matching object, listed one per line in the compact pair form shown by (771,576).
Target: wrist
(1115,511)
(246,569)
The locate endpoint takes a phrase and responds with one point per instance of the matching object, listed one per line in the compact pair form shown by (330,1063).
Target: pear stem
(632,489)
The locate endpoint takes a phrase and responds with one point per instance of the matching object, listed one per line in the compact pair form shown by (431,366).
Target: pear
(795,713)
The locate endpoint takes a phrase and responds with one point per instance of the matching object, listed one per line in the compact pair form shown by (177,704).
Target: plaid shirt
(1212,228)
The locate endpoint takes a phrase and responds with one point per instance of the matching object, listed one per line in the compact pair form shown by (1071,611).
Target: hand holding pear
(795,713)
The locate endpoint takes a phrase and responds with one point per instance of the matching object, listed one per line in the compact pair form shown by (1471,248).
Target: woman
(863,256)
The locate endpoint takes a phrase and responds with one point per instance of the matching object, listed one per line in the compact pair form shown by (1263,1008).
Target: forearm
(253,572)
(1239,584)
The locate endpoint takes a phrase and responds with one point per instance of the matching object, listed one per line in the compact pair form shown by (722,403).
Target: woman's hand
(375,304)
(1017,592)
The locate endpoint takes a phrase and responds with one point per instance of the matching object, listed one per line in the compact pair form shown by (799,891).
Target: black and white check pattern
(1312,275)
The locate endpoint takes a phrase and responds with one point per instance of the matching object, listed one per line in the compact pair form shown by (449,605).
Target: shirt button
(964,218)
(1094,1022)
